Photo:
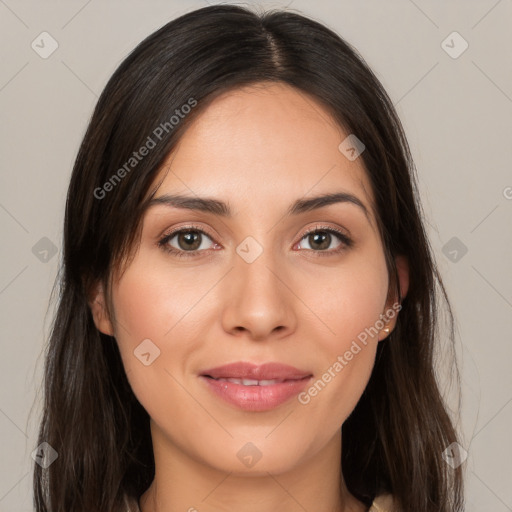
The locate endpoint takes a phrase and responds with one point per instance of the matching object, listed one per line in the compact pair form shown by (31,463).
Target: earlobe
(386,330)
(99,311)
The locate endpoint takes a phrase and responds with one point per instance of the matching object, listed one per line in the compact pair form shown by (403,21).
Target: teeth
(234,381)
(251,382)
(268,382)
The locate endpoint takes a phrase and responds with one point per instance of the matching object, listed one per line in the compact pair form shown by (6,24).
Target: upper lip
(267,371)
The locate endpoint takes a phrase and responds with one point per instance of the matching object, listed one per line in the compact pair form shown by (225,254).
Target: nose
(260,303)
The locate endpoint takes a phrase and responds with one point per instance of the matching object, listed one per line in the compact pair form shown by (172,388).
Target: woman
(248,301)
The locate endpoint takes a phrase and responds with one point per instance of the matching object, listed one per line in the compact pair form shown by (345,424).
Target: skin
(259,149)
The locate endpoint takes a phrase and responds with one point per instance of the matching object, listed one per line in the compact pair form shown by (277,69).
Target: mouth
(250,372)
(252,382)
(255,388)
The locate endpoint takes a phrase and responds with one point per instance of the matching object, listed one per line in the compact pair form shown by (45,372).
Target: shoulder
(383,503)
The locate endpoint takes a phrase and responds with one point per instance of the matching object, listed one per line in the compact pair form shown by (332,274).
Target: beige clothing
(380,504)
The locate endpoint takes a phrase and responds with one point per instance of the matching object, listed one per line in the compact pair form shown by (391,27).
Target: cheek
(142,303)
(152,310)
(151,303)
(348,301)
(153,313)
(350,307)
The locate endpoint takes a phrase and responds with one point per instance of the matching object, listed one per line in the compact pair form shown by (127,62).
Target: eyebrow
(222,209)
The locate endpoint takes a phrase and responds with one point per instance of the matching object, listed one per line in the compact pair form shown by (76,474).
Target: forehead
(260,143)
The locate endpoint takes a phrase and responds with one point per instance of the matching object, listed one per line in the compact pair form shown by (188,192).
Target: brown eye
(186,242)
(321,239)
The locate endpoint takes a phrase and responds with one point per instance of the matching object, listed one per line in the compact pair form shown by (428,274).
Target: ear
(99,311)
(402,268)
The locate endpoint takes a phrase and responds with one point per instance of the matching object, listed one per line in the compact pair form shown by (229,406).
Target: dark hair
(393,440)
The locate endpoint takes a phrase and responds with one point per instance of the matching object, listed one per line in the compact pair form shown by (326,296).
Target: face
(261,275)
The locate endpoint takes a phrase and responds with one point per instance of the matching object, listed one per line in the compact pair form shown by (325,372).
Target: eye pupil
(189,240)
(320,237)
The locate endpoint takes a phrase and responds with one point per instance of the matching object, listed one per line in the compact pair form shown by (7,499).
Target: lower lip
(256,398)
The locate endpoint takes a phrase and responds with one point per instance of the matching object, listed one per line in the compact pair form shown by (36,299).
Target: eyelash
(346,242)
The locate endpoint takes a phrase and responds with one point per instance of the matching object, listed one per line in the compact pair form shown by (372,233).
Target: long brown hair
(393,440)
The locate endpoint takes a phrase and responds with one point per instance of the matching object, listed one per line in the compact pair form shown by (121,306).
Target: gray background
(457,113)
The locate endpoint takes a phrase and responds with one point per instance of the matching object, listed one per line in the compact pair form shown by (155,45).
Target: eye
(321,238)
(186,241)
(190,241)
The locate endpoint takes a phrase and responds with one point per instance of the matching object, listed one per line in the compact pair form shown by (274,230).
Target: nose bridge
(256,276)
(258,301)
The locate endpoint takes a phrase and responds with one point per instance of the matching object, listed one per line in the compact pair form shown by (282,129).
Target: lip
(267,371)
(290,382)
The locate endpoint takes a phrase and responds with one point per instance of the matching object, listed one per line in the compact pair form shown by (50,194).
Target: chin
(255,458)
